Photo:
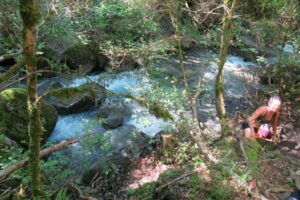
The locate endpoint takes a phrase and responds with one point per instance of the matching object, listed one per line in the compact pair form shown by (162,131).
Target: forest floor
(272,181)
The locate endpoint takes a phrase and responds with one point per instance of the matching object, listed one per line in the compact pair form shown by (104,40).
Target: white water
(75,125)
(135,82)
(127,82)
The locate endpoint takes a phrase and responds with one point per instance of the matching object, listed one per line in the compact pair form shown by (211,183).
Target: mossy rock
(84,58)
(154,108)
(185,185)
(14,118)
(76,100)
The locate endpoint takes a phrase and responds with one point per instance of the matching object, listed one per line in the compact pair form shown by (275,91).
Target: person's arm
(261,111)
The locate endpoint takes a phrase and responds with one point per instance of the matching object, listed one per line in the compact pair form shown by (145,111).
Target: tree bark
(175,22)
(225,43)
(8,171)
(30,16)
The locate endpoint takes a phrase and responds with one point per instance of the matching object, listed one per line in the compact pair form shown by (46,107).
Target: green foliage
(287,76)
(268,32)
(62,194)
(56,170)
(211,39)
(188,185)
(127,24)
(262,8)
(252,149)
(144,192)
(98,142)
(181,152)
(9,155)
(190,31)
(220,189)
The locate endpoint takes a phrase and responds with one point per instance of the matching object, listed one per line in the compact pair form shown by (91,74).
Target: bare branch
(9,170)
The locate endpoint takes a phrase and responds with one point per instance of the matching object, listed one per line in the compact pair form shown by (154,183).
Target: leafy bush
(262,8)
(125,23)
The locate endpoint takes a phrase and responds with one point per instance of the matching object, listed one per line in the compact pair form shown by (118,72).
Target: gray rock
(114,116)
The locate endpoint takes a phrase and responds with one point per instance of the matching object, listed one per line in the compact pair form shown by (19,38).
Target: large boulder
(55,47)
(84,58)
(76,100)
(14,118)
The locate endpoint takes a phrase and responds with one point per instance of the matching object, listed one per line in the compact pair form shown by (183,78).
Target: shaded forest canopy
(159,136)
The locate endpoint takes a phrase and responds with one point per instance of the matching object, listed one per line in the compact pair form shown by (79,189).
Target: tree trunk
(30,15)
(175,22)
(225,42)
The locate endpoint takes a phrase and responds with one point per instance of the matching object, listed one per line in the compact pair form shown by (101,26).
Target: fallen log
(9,170)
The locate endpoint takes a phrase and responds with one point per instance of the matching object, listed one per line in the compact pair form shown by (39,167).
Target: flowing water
(138,83)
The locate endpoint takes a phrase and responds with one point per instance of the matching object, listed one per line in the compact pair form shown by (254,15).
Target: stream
(134,82)
(140,121)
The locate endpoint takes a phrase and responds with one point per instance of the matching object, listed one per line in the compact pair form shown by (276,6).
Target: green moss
(14,116)
(220,189)
(186,185)
(154,108)
(66,93)
(143,193)
(159,111)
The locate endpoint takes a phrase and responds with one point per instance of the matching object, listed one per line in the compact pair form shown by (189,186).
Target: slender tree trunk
(30,15)
(175,23)
(225,43)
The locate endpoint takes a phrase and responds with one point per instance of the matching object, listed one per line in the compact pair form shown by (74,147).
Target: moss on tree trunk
(30,14)
(225,42)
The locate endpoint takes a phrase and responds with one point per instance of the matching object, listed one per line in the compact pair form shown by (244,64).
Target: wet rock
(294,195)
(49,85)
(113,116)
(76,100)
